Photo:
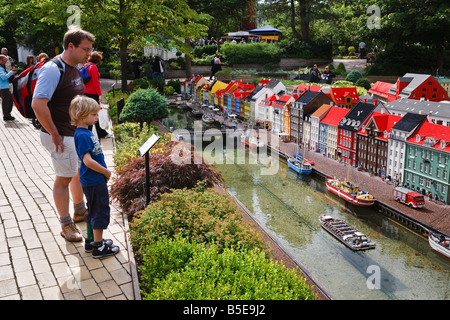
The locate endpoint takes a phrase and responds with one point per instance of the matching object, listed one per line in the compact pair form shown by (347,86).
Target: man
(10,61)
(315,74)
(51,104)
(7,99)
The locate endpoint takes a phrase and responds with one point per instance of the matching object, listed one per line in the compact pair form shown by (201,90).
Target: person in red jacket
(92,87)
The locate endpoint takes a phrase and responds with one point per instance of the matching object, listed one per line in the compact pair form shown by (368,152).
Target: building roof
(338,94)
(436,109)
(356,116)
(409,122)
(383,123)
(414,80)
(307,97)
(321,112)
(433,136)
(381,89)
(334,116)
(254,92)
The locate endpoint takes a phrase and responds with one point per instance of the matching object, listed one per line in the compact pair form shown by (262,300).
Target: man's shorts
(98,206)
(66,163)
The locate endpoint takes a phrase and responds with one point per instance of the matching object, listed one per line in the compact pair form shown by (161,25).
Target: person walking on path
(216,66)
(92,88)
(7,99)
(51,102)
(94,176)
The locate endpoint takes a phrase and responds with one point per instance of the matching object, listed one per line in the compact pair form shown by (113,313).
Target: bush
(166,173)
(140,83)
(202,52)
(202,215)
(262,53)
(354,76)
(177,269)
(364,82)
(144,106)
(340,69)
(168,90)
(129,138)
(175,84)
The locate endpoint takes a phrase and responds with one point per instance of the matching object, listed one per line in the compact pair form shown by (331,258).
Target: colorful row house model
(278,109)
(427,161)
(307,103)
(348,130)
(217,86)
(373,137)
(328,131)
(273,87)
(315,119)
(397,144)
(411,86)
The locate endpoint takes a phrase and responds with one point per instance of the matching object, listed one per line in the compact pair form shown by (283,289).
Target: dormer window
(418,138)
(443,144)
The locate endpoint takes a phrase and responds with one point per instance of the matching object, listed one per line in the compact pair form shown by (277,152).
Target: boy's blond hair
(81,107)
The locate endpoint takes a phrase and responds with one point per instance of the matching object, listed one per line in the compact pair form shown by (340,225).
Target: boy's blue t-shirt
(86,141)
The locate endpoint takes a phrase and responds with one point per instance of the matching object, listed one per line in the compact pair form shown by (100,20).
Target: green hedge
(261,53)
(178,269)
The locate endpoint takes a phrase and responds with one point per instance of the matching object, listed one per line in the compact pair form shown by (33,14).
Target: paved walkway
(35,261)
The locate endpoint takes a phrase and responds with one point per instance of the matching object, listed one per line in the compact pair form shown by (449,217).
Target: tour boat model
(440,244)
(349,192)
(196,113)
(252,141)
(207,119)
(345,233)
(300,166)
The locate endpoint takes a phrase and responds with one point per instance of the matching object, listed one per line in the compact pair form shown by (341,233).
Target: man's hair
(75,35)
(81,107)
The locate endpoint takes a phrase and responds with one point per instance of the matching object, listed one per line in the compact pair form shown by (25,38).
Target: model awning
(266,30)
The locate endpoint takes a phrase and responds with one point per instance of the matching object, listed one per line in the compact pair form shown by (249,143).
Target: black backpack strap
(61,70)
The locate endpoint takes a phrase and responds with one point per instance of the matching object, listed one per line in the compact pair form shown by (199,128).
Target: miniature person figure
(94,176)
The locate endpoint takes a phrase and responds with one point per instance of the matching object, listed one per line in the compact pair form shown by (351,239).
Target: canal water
(402,266)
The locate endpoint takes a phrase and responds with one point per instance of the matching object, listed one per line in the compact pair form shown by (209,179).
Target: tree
(116,22)
(144,106)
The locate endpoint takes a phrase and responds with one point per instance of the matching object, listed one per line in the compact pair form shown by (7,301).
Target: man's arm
(40,107)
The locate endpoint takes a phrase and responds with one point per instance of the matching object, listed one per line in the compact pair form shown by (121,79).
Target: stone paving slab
(36,263)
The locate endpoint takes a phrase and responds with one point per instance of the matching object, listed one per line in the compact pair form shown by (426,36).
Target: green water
(401,267)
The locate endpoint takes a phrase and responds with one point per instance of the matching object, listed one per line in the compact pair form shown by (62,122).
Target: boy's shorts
(66,163)
(98,206)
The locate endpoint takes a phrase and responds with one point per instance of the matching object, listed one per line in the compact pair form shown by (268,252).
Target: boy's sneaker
(103,251)
(89,246)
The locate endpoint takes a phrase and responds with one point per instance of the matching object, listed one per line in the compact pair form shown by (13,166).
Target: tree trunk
(123,64)
(304,19)
(294,30)
(188,66)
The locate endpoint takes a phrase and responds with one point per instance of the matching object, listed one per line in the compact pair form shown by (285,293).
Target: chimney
(375,102)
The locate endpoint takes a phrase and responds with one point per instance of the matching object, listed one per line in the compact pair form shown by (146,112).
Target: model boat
(345,233)
(440,244)
(207,119)
(349,192)
(300,166)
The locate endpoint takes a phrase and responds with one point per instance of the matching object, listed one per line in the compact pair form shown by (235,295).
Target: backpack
(85,72)
(24,84)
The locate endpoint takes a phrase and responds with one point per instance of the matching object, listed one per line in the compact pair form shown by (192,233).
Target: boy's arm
(94,165)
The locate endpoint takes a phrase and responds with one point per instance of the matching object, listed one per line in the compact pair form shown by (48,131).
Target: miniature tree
(144,106)
(354,76)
